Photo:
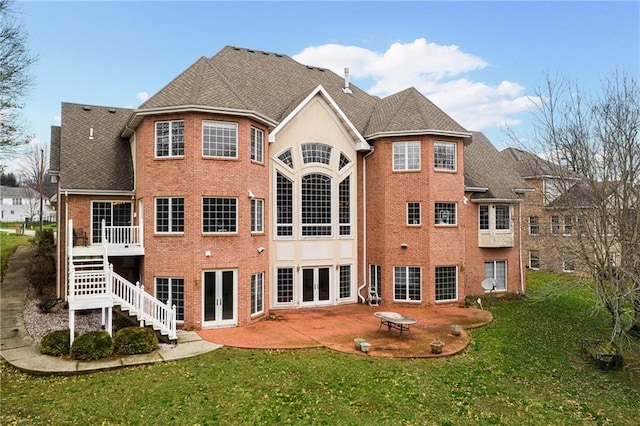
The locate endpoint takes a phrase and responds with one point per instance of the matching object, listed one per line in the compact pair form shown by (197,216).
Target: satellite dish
(489,284)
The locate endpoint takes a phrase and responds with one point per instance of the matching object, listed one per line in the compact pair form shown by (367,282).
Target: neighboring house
(252,183)
(560,216)
(20,204)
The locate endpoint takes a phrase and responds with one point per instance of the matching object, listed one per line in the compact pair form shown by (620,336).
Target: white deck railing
(122,235)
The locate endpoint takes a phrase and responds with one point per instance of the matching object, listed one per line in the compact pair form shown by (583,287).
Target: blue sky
(478,61)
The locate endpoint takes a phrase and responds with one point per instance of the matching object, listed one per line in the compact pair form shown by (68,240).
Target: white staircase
(93,284)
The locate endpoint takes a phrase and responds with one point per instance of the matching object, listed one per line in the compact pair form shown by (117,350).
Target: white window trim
(445,225)
(261,311)
(419,214)
(155,139)
(455,157)
(457,284)
(222,123)
(531,267)
(255,131)
(202,217)
(260,204)
(155,216)
(406,162)
(506,274)
(406,284)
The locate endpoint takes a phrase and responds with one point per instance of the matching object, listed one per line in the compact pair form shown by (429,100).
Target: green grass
(8,244)
(523,368)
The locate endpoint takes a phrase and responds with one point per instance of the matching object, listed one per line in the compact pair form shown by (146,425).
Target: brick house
(252,183)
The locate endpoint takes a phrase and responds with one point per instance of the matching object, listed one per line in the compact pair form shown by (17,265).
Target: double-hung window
(534,225)
(169,215)
(170,138)
(413,213)
(444,156)
(406,156)
(257,293)
(534,259)
(497,269)
(257,215)
(171,291)
(407,283)
(555,225)
(446,214)
(446,283)
(219,215)
(219,139)
(257,145)
(568,225)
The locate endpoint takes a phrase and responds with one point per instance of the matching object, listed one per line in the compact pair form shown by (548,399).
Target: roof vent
(91,133)
(112,110)
(86,108)
(346,89)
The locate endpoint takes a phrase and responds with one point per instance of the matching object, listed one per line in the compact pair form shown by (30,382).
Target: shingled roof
(531,166)
(485,168)
(92,154)
(54,150)
(272,85)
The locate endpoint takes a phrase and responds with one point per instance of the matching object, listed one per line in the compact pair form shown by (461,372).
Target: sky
(480,62)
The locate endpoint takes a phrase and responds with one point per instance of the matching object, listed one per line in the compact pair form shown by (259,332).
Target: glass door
(219,299)
(316,286)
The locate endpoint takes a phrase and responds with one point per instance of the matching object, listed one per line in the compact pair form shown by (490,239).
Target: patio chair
(80,236)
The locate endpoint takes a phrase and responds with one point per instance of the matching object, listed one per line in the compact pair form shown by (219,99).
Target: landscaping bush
(41,272)
(55,343)
(47,303)
(135,340)
(92,345)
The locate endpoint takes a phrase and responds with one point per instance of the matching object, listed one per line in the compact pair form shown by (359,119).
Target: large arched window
(316,205)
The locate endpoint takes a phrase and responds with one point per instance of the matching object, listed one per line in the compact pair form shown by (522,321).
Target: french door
(220,298)
(316,286)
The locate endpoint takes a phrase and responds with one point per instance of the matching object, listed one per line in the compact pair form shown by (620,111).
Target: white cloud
(444,74)
(142,96)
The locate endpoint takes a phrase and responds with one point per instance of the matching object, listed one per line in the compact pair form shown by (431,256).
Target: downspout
(364,223)
(520,248)
(66,239)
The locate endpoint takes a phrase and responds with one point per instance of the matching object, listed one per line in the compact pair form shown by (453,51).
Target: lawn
(523,368)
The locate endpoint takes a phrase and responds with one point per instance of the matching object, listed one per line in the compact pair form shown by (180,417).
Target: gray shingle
(101,163)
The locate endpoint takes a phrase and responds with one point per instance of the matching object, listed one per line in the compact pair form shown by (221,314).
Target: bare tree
(32,174)
(15,78)
(597,139)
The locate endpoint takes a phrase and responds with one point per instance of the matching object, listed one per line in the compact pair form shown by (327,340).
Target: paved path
(19,349)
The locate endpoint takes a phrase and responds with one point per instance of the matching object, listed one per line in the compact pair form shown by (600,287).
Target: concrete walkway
(19,349)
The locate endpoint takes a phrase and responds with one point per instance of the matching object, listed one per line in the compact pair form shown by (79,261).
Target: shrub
(41,272)
(135,340)
(55,343)
(47,303)
(92,345)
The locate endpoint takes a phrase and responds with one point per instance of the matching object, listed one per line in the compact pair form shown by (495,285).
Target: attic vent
(235,48)
(346,89)
(112,110)
(91,133)
(86,108)
(265,53)
(250,50)
(279,55)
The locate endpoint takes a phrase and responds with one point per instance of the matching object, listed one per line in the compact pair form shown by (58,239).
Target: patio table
(394,320)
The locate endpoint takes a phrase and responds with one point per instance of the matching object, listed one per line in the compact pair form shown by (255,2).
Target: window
(169,215)
(613,257)
(568,225)
(413,213)
(555,225)
(503,217)
(257,215)
(219,215)
(534,225)
(444,156)
(375,279)
(581,225)
(534,259)
(316,205)
(345,281)
(284,206)
(16,201)
(568,262)
(257,293)
(406,283)
(551,190)
(316,153)
(446,283)
(344,206)
(446,214)
(171,291)
(406,156)
(484,217)
(257,145)
(284,292)
(114,213)
(219,139)
(287,158)
(497,269)
(169,138)
(344,161)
